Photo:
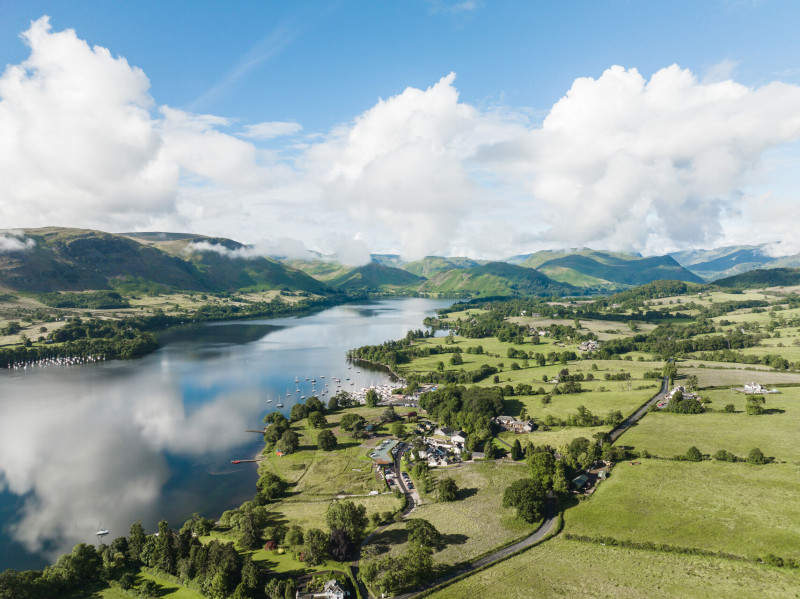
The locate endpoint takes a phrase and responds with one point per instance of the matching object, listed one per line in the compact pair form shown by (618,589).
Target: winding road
(637,415)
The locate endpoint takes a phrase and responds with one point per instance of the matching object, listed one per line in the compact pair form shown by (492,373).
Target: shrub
(693,454)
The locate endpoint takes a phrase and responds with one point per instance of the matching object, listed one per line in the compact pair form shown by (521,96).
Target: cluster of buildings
(443,445)
(330,590)
(756,389)
(509,423)
(591,345)
(670,394)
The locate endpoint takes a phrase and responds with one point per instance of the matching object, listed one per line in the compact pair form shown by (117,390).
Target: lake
(153,438)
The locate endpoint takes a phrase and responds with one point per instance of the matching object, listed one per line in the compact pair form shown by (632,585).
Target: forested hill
(773,277)
(61,259)
(497,279)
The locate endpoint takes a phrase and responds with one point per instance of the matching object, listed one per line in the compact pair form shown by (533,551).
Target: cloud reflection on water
(83,455)
(153,438)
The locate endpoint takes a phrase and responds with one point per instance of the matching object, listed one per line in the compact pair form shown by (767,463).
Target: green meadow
(474,523)
(736,508)
(775,432)
(567,569)
(731,374)
(556,437)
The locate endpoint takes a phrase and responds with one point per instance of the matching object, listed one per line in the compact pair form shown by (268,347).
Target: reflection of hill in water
(226,334)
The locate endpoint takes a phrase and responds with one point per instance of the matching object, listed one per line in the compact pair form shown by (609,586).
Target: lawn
(286,563)
(168,589)
(738,508)
(474,523)
(667,435)
(561,568)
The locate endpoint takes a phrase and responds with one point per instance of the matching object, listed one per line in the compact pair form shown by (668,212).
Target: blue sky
(323,67)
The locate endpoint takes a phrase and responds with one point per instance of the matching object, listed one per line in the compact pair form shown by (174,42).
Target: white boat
(296,380)
(101,532)
(279,405)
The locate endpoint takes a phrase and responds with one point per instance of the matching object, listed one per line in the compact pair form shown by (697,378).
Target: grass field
(554,438)
(476,521)
(730,374)
(317,477)
(598,402)
(707,299)
(667,435)
(311,514)
(736,508)
(604,329)
(780,346)
(568,569)
(312,471)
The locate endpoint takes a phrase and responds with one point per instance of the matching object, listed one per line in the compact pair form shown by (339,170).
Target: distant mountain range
(723,262)
(606,270)
(78,259)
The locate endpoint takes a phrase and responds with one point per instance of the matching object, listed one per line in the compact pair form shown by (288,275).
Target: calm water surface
(153,438)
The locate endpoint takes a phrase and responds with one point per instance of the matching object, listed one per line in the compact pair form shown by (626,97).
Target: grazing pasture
(566,569)
(736,508)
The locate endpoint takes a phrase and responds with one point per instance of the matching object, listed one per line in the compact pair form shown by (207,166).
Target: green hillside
(773,277)
(497,278)
(77,259)
(256,273)
(430,265)
(590,268)
(374,276)
(321,270)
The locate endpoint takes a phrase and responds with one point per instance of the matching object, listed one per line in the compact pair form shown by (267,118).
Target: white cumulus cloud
(404,166)
(622,161)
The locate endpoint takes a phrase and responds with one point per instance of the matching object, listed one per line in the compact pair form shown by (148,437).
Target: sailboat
(101,532)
